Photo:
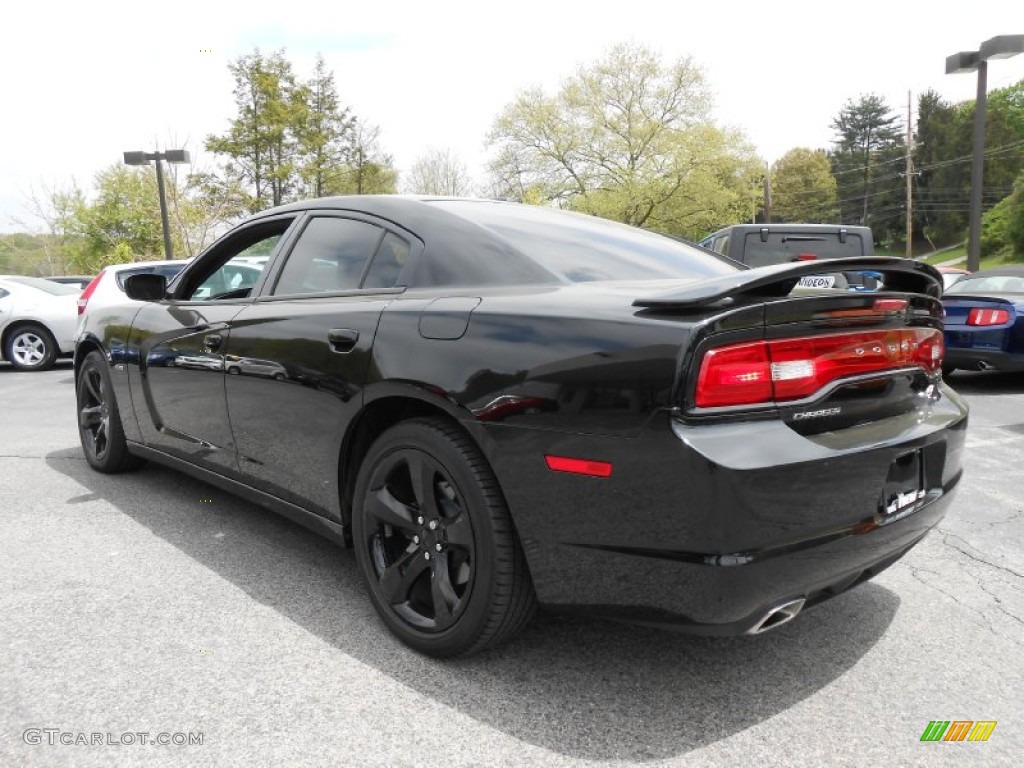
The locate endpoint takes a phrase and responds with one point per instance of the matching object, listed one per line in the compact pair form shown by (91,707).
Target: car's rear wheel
(31,348)
(99,424)
(435,542)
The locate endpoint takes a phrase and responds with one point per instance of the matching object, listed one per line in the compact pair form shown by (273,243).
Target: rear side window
(388,262)
(579,248)
(330,255)
(780,247)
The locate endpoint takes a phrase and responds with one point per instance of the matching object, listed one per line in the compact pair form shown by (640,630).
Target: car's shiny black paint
(706,518)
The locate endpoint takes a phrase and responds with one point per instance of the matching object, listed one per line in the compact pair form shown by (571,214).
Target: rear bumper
(705,528)
(982,359)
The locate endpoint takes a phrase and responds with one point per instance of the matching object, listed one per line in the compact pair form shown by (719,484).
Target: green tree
(868,147)
(942,184)
(369,171)
(262,141)
(625,138)
(122,221)
(52,252)
(1015,219)
(803,187)
(325,137)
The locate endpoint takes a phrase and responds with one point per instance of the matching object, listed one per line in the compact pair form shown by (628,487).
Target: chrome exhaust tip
(783,613)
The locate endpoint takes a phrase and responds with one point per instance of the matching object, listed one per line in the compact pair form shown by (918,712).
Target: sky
(83,82)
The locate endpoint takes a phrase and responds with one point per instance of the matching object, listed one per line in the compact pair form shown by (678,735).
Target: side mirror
(146,287)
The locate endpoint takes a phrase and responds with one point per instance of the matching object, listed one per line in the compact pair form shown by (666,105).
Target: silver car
(37,321)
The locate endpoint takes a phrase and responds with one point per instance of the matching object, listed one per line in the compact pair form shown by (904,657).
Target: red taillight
(579,466)
(807,257)
(979,316)
(735,375)
(89,289)
(761,372)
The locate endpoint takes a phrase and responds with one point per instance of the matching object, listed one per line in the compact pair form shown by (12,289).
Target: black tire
(99,422)
(435,542)
(31,347)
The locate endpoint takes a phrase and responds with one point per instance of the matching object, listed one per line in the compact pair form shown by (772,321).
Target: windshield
(987,284)
(46,286)
(581,248)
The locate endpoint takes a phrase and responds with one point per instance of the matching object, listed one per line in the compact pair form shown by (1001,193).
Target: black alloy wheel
(435,542)
(99,424)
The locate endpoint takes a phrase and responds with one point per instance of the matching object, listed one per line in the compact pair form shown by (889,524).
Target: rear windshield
(988,284)
(47,286)
(780,247)
(580,248)
(167,270)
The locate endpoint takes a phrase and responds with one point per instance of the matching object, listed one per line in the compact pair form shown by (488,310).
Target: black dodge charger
(499,406)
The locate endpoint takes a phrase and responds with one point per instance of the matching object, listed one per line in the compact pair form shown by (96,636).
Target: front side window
(233,268)
(331,255)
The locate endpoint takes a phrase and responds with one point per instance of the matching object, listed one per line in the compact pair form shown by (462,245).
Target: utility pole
(767,194)
(910,182)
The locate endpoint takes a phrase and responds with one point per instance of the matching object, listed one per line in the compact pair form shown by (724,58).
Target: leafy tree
(369,171)
(942,181)
(438,172)
(325,137)
(122,222)
(945,152)
(1015,219)
(51,253)
(262,141)
(869,145)
(625,138)
(803,187)
(201,205)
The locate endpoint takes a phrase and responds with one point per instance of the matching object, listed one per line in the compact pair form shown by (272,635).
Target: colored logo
(958,730)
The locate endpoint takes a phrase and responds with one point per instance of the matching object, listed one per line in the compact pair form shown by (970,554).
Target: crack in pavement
(914,573)
(947,535)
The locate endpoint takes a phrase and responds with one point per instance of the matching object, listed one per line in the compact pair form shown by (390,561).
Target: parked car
(81,281)
(502,405)
(985,321)
(37,321)
(950,275)
(759,245)
(107,288)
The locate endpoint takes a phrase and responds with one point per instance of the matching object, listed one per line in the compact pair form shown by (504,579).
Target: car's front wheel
(31,348)
(99,424)
(435,542)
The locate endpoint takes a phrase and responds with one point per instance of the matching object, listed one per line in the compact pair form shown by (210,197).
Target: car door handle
(342,339)
(212,341)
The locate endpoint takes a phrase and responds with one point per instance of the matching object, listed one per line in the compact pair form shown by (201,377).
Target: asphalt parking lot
(152,604)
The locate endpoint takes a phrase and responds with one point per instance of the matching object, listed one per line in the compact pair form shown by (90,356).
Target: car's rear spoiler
(902,275)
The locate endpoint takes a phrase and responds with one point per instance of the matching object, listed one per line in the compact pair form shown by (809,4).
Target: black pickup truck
(759,245)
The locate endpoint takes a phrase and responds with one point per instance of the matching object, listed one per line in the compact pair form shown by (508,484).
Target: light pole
(171,156)
(1002,47)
